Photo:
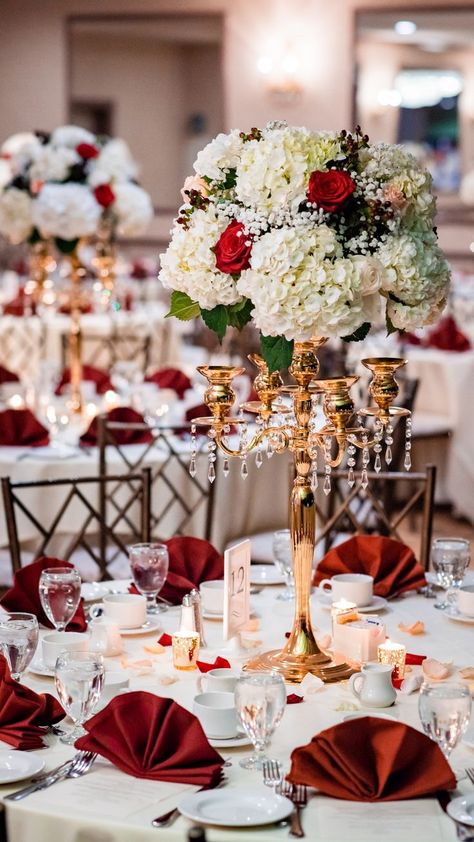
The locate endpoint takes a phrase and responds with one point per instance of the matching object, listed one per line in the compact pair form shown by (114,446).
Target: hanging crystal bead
(388,442)
(270,449)
(327,481)
(192,463)
(408,432)
(225,467)
(259,458)
(350,477)
(192,466)
(365,453)
(244,471)
(211,472)
(378,463)
(407,461)
(364,479)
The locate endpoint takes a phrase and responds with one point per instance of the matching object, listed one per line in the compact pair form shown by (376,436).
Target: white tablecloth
(109,806)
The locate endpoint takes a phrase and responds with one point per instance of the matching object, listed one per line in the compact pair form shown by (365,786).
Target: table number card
(236,588)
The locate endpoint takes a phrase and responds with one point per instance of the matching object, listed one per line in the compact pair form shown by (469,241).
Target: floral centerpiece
(305,234)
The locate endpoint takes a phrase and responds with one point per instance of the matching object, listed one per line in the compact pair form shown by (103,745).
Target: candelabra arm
(267,432)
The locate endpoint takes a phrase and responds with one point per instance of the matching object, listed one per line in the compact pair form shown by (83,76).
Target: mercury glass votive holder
(393,654)
(185,650)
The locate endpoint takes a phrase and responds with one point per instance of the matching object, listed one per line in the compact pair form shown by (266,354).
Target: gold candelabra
(282,427)
(75,333)
(105,258)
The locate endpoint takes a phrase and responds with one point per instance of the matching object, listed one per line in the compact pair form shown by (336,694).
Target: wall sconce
(281,76)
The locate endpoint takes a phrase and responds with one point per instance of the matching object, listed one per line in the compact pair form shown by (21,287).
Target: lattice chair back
(181,504)
(105,350)
(22,344)
(71,519)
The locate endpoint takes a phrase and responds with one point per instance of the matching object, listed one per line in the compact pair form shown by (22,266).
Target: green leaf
(238,315)
(390,326)
(358,334)
(216,320)
(276,351)
(65,246)
(183,307)
(34,237)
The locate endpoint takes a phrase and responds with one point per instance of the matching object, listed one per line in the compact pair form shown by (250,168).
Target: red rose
(231,250)
(104,195)
(87,150)
(329,190)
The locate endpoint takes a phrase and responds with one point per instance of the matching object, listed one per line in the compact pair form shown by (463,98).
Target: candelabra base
(294,667)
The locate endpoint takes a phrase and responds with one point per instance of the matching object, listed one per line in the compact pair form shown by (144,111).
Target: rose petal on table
(293,699)
(253,625)
(154,649)
(467,672)
(165,680)
(411,683)
(250,644)
(287,634)
(141,667)
(412,628)
(346,706)
(435,670)
(219,663)
(165,640)
(324,642)
(310,685)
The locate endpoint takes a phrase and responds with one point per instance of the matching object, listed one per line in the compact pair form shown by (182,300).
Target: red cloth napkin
(391,563)
(219,664)
(372,759)
(154,738)
(124,415)
(165,639)
(192,561)
(410,660)
(171,378)
(100,378)
(18,306)
(23,712)
(7,376)
(84,309)
(198,411)
(19,427)
(447,337)
(24,594)
(294,699)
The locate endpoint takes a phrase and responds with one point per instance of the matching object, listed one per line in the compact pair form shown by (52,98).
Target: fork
(470,774)
(81,764)
(272,775)
(298,794)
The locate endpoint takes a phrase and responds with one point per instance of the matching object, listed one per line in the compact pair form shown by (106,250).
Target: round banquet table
(107,805)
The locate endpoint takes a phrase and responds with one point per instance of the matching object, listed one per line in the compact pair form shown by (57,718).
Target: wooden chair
(178,499)
(83,502)
(105,350)
(356,511)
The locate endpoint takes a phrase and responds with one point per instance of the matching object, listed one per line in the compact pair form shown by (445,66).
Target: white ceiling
(436,30)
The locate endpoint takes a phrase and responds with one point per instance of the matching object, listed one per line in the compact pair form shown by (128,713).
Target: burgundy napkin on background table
(171,378)
(150,737)
(447,337)
(7,376)
(101,379)
(20,428)
(124,415)
(218,664)
(19,305)
(23,713)
(192,561)
(24,593)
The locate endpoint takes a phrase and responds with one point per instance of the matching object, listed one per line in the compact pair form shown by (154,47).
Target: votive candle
(185,650)
(394,654)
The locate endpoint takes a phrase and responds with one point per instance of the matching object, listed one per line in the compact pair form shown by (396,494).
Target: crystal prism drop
(388,455)
(364,479)
(350,477)
(244,471)
(192,467)
(225,468)
(327,484)
(378,463)
(211,472)
(270,450)
(259,459)
(407,462)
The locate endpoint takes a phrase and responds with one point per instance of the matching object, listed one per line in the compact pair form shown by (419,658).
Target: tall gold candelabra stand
(105,258)
(41,263)
(75,334)
(282,427)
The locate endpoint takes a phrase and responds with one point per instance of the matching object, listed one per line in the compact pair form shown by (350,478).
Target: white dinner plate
(468,738)
(38,667)
(462,809)
(236,807)
(234,742)
(379,603)
(18,765)
(369,712)
(211,615)
(265,574)
(151,625)
(92,591)
(458,617)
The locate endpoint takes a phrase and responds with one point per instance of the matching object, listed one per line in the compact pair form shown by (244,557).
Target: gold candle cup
(185,650)
(394,654)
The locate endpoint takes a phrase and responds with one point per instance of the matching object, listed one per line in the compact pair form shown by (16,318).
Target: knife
(44,783)
(464,832)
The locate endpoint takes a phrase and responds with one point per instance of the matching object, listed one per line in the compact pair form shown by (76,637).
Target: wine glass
(450,559)
(60,594)
(19,634)
(284,561)
(79,678)
(149,565)
(260,700)
(445,710)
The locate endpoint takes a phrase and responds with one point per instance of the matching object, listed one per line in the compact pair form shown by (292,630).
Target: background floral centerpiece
(305,234)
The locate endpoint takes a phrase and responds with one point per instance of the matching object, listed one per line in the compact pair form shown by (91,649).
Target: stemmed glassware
(450,558)
(260,700)
(445,710)
(284,561)
(60,594)
(19,634)
(79,678)
(149,565)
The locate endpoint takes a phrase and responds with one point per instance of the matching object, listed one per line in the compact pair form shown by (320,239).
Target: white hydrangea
(219,156)
(16,143)
(113,164)
(15,214)
(406,317)
(67,211)
(299,288)
(415,268)
(133,209)
(51,163)
(71,136)
(6,173)
(189,264)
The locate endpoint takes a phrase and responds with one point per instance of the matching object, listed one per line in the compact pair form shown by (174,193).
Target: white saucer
(369,712)
(91,591)
(18,765)
(458,617)
(210,615)
(462,809)
(379,603)
(151,625)
(233,742)
(38,667)
(265,574)
(236,807)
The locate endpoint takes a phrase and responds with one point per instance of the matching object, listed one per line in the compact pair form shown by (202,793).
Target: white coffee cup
(128,610)
(218,680)
(376,688)
(355,587)
(56,642)
(105,637)
(212,596)
(465,596)
(217,715)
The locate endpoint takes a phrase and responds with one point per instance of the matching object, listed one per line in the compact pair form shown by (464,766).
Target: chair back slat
(104,350)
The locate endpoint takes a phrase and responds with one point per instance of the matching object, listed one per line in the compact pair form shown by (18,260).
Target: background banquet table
(110,806)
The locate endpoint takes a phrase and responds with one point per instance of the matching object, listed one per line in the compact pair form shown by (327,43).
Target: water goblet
(60,594)
(149,565)
(19,634)
(284,561)
(445,710)
(260,700)
(450,558)
(79,678)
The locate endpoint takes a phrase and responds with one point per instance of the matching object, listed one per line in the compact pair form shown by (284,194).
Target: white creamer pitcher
(373,685)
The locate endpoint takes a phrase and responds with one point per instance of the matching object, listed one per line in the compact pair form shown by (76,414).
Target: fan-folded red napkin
(372,759)
(24,594)
(192,561)
(7,376)
(20,304)
(198,411)
(20,428)
(447,337)
(171,378)
(124,415)
(219,664)
(95,375)
(23,712)
(391,563)
(150,737)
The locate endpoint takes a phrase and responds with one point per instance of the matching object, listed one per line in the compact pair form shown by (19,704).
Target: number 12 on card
(236,588)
